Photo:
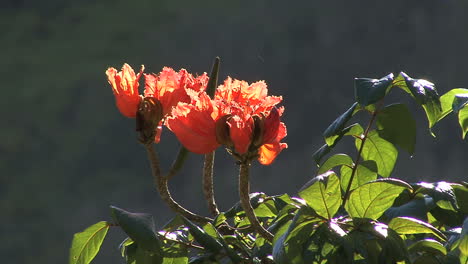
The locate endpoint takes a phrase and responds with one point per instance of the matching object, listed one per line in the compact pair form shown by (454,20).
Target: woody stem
(161,185)
(244,191)
(208,189)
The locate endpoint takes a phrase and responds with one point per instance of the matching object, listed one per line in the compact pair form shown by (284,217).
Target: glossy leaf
(335,160)
(428,245)
(442,192)
(322,194)
(334,130)
(424,93)
(352,130)
(86,244)
(369,91)
(408,225)
(461,194)
(446,101)
(201,236)
(366,171)
(396,125)
(139,227)
(463,120)
(289,245)
(379,150)
(417,208)
(459,102)
(372,199)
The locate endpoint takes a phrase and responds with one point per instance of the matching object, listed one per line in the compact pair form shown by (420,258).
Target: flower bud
(149,114)
(222,131)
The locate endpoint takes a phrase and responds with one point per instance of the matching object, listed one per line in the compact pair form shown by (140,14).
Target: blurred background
(67,153)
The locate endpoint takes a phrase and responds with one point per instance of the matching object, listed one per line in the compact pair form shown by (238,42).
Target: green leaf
(424,93)
(352,130)
(463,244)
(428,246)
(463,120)
(289,245)
(442,192)
(334,130)
(143,256)
(86,244)
(460,101)
(369,91)
(461,194)
(396,125)
(365,172)
(417,208)
(379,150)
(408,225)
(208,242)
(175,254)
(139,227)
(372,199)
(255,199)
(446,101)
(323,194)
(335,160)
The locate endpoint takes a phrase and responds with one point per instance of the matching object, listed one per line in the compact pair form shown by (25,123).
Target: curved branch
(161,186)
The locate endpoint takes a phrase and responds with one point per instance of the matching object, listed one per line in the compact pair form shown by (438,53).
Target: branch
(208,189)
(244,190)
(161,186)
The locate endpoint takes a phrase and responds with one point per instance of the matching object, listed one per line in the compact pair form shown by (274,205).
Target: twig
(358,156)
(161,186)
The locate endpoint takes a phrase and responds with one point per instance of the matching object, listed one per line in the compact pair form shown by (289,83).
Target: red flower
(168,88)
(125,87)
(241,116)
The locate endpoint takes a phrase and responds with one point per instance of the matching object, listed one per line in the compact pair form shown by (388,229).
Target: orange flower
(125,87)
(165,91)
(241,116)
(170,87)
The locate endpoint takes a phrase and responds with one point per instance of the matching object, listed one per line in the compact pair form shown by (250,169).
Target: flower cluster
(162,92)
(241,116)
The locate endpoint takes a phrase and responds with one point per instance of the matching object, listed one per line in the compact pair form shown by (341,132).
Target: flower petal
(194,128)
(268,152)
(125,87)
(240,130)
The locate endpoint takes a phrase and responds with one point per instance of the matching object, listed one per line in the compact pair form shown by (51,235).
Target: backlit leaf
(396,125)
(463,120)
(408,225)
(322,193)
(428,245)
(379,150)
(372,199)
(335,160)
(366,171)
(86,244)
(446,101)
(424,93)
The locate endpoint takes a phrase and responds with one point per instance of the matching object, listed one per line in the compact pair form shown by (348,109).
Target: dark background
(67,153)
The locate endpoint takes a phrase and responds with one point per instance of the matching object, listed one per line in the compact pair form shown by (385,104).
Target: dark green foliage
(352,211)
